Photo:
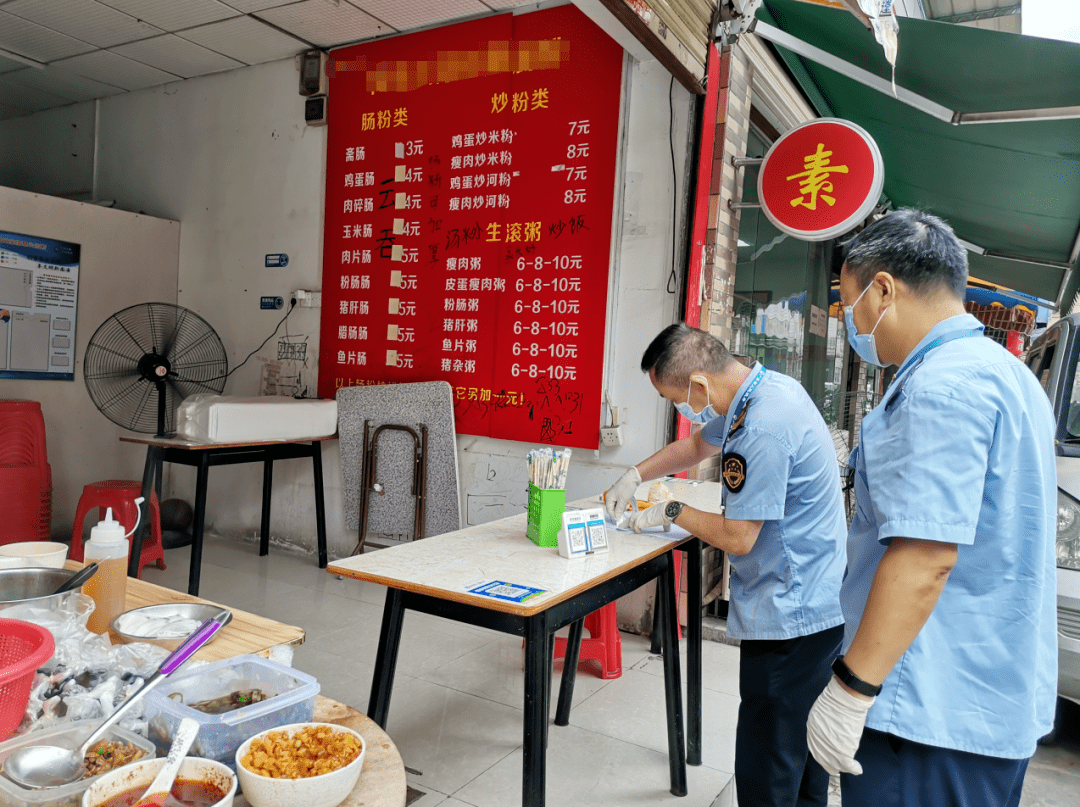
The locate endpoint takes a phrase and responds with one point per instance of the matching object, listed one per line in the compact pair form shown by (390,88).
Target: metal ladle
(38,766)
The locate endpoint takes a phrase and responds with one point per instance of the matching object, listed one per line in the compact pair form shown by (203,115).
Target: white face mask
(705,415)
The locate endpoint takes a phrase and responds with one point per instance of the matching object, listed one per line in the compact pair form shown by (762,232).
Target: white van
(1053,359)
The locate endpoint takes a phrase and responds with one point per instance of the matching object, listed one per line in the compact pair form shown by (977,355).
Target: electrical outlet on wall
(611,435)
(308,299)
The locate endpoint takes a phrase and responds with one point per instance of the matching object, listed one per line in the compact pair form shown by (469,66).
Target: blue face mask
(863,343)
(702,417)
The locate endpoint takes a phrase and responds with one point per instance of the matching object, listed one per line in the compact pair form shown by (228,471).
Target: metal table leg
(672,687)
(533,778)
(268,486)
(693,652)
(320,503)
(197,523)
(382,682)
(549,662)
(657,621)
(570,662)
(151,469)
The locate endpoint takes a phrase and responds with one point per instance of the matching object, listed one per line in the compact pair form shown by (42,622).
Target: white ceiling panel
(63,84)
(177,56)
(173,15)
(20,97)
(35,41)
(507,4)
(404,15)
(87,20)
(7,65)
(246,39)
(8,112)
(324,24)
(111,68)
(247,6)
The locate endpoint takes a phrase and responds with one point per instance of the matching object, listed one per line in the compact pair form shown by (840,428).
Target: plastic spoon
(78,579)
(159,789)
(38,766)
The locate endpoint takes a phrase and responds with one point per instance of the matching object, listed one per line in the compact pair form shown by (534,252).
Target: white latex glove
(651,517)
(617,497)
(834,728)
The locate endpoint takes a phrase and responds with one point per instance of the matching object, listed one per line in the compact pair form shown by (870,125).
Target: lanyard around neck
(736,410)
(733,414)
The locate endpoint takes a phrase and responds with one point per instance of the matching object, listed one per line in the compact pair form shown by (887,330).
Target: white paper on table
(674,533)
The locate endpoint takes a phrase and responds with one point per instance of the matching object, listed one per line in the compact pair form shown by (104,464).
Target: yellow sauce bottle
(108,547)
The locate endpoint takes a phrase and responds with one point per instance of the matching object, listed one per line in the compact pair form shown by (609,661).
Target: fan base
(174,539)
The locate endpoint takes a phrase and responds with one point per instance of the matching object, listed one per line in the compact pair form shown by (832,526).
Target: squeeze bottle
(108,547)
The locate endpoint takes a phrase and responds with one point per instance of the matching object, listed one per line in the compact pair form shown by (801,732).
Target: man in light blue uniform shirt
(783,528)
(950,641)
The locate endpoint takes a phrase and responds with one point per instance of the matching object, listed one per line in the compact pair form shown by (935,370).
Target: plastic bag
(87,676)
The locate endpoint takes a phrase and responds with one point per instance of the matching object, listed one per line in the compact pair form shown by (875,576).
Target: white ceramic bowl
(326,790)
(142,773)
(48,554)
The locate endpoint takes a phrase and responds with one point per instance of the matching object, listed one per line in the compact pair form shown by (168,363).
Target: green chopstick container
(545,515)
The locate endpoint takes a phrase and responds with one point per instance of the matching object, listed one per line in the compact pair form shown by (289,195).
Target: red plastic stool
(22,520)
(22,433)
(22,445)
(604,643)
(120,495)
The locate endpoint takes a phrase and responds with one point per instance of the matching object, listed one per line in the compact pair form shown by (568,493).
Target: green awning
(1011,188)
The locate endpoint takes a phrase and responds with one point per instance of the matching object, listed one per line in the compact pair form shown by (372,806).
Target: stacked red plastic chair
(120,495)
(25,474)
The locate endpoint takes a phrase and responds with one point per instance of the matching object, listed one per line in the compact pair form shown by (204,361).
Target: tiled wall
(732,128)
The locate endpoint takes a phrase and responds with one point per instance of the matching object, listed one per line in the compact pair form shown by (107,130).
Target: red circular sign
(821,179)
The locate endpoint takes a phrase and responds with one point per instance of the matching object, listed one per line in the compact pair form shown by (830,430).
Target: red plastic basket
(24,647)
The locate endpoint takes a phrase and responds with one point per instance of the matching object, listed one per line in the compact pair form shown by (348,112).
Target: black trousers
(904,773)
(779,680)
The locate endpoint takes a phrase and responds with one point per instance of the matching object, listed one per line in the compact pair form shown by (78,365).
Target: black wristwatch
(672,510)
(852,681)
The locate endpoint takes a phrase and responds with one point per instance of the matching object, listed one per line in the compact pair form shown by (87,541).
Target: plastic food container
(67,735)
(291,699)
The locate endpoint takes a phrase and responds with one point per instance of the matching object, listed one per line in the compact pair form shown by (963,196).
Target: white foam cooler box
(207,418)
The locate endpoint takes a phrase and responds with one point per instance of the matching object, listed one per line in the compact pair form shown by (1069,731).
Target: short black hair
(912,246)
(680,350)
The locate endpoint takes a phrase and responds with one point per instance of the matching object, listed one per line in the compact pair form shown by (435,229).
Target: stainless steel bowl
(33,586)
(200,613)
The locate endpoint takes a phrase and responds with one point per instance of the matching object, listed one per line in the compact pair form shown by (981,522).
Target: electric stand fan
(143,361)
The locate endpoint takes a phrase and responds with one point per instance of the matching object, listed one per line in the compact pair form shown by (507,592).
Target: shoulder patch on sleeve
(733,471)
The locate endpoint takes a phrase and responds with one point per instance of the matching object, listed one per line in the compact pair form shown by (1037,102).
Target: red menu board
(469,194)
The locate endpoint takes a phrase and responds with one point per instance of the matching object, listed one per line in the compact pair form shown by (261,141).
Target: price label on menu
(469,193)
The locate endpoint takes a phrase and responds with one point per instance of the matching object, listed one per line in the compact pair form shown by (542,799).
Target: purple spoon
(38,766)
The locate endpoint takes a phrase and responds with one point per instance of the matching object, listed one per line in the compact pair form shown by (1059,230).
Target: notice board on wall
(469,194)
(39,299)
